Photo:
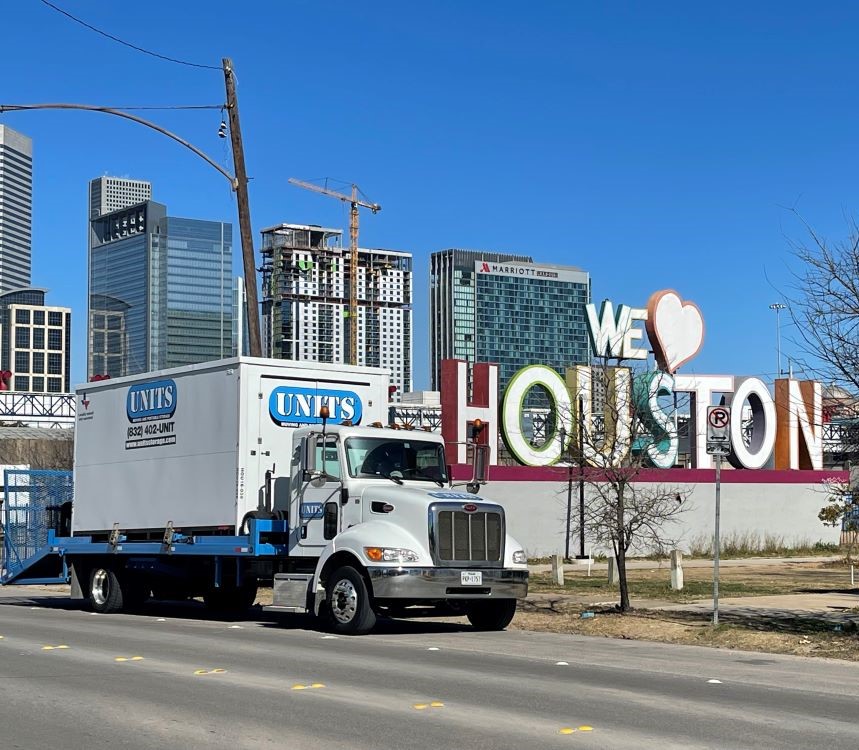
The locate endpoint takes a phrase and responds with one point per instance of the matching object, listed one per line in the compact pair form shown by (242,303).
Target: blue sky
(656,145)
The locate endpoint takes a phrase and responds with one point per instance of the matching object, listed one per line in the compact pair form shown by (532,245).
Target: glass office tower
(160,291)
(506,309)
(16,208)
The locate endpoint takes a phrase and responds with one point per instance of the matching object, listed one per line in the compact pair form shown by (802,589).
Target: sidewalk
(837,608)
(635,564)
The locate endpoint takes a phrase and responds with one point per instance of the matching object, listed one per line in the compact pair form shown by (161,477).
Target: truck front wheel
(491,614)
(104,592)
(349,607)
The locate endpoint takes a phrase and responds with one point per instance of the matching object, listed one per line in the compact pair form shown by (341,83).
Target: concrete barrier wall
(783,504)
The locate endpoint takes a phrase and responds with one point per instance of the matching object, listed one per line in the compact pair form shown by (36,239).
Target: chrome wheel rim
(99,587)
(344,601)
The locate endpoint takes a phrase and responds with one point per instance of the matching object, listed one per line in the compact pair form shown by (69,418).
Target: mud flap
(77,591)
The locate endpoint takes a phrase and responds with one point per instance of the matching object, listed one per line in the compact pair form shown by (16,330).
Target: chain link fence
(34,501)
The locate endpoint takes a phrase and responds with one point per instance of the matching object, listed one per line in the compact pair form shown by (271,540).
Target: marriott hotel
(506,309)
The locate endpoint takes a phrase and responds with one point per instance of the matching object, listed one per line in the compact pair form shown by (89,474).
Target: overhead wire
(116,39)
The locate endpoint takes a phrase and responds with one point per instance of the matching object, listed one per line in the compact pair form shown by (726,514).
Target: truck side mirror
(480,464)
(308,457)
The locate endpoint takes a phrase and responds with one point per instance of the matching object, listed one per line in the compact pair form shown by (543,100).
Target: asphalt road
(70,679)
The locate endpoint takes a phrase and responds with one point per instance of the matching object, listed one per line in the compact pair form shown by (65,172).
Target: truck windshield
(422,460)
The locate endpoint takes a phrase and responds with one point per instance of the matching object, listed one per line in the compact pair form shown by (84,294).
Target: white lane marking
(329,637)
(715,682)
(562,664)
(433,648)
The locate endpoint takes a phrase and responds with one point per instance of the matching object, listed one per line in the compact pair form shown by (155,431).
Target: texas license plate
(470,578)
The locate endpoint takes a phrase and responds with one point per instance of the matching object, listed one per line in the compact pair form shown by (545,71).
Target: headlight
(390,554)
(519,557)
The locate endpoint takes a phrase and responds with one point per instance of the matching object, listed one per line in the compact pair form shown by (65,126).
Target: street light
(238,182)
(562,432)
(778,307)
(563,435)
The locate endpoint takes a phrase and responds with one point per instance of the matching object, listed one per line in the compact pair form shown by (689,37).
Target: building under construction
(305,301)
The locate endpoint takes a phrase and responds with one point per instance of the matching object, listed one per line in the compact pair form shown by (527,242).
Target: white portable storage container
(192,444)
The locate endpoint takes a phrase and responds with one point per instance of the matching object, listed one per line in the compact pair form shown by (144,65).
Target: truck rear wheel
(350,609)
(104,592)
(491,614)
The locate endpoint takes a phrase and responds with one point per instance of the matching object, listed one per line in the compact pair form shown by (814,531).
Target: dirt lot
(555,609)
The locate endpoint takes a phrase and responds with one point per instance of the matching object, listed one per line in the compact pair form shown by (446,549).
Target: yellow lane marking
(420,706)
(209,671)
(299,687)
(566,730)
(128,658)
(52,648)
(318,685)
(432,704)
(586,728)
(436,704)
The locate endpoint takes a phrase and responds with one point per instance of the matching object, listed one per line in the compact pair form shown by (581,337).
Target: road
(70,679)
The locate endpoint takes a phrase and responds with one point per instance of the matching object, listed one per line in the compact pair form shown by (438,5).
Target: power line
(127,44)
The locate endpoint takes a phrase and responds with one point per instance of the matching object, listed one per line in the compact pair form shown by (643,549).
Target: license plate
(471,579)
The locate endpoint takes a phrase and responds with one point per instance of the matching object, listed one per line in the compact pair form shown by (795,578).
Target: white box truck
(212,479)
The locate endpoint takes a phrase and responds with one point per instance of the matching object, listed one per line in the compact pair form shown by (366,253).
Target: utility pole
(241,188)
(582,555)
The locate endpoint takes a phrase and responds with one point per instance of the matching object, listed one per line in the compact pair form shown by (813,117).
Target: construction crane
(354,203)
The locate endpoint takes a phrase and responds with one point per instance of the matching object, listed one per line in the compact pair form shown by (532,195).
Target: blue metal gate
(34,502)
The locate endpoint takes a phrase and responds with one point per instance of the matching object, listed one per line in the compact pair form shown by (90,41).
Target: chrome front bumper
(446,583)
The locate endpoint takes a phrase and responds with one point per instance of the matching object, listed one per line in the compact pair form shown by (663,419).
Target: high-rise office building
(160,291)
(35,343)
(506,309)
(16,209)
(305,294)
(108,194)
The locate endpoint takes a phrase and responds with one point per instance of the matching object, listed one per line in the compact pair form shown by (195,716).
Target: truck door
(317,503)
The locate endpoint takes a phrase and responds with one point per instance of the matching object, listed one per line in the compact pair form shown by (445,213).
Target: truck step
(291,591)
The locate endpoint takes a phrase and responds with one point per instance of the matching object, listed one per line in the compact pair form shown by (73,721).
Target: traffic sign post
(718,445)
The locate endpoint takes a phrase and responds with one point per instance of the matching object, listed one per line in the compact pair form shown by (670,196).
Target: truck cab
(376,517)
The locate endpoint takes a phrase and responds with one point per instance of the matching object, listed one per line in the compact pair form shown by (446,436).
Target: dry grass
(801,637)
(558,610)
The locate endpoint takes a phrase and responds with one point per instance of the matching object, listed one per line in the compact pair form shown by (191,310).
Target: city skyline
(628,144)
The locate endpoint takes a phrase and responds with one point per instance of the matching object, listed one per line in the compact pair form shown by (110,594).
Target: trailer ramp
(36,508)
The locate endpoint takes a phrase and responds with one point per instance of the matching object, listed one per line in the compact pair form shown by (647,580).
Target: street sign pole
(718,445)
(716,541)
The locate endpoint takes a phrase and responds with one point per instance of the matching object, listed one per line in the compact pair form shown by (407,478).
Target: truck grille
(461,537)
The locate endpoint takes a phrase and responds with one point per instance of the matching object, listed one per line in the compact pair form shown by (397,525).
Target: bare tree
(824,306)
(623,513)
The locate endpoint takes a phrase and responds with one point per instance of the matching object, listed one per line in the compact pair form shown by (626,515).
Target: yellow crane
(354,203)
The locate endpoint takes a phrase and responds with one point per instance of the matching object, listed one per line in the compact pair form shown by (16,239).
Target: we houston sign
(784,426)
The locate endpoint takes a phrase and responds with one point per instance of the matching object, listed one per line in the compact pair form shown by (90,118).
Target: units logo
(148,401)
(292,405)
(150,408)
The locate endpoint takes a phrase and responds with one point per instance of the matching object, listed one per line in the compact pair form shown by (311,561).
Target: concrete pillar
(613,577)
(558,570)
(676,570)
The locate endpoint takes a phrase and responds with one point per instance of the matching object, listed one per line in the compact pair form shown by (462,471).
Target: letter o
(513,406)
(760,448)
